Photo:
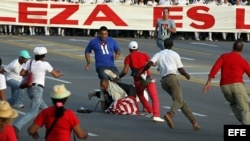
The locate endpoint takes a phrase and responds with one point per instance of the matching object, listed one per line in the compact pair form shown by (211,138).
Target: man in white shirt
(169,63)
(13,78)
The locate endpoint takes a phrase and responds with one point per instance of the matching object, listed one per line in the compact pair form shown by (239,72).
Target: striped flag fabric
(125,106)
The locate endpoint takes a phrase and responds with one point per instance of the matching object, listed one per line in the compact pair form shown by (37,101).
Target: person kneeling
(114,97)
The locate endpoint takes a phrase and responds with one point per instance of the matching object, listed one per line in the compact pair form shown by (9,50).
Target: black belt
(167,76)
(39,85)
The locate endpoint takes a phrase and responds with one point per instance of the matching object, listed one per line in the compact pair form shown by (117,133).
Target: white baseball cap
(133,45)
(40,50)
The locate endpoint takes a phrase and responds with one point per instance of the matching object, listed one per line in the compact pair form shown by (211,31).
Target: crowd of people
(60,31)
(13,75)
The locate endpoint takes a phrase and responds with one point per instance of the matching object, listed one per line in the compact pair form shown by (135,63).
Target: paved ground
(66,54)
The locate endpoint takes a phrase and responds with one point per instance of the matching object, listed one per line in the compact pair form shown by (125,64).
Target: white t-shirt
(182,2)
(38,69)
(226,4)
(200,2)
(2,82)
(165,2)
(128,2)
(213,3)
(99,1)
(168,61)
(88,1)
(115,1)
(150,3)
(162,32)
(13,70)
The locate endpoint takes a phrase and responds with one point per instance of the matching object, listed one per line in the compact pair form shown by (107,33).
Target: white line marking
(64,49)
(20,112)
(195,43)
(187,58)
(184,67)
(191,66)
(43,45)
(58,80)
(21,40)
(199,73)
(77,40)
(197,114)
(91,134)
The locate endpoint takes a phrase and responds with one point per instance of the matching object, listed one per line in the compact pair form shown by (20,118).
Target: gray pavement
(67,54)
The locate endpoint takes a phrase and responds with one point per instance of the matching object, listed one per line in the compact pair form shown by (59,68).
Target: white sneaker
(158,119)
(110,73)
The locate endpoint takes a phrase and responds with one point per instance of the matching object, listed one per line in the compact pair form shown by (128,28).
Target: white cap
(40,50)
(133,45)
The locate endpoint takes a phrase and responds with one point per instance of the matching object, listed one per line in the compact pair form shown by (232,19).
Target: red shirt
(232,66)
(8,134)
(62,129)
(139,60)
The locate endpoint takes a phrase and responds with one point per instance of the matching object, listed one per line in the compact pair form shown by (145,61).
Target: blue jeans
(35,93)
(160,44)
(17,94)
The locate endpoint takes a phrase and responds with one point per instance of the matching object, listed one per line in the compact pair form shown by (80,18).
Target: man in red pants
(136,60)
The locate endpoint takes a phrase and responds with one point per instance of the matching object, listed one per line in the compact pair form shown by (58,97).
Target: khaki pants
(171,84)
(238,98)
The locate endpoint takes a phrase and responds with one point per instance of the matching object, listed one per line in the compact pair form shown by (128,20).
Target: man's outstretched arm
(147,66)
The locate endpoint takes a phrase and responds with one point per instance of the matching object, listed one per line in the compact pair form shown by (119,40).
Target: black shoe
(84,110)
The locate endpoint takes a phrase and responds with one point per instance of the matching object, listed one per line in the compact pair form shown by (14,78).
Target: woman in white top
(39,67)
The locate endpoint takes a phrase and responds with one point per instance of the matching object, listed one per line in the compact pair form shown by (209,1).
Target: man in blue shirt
(106,51)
